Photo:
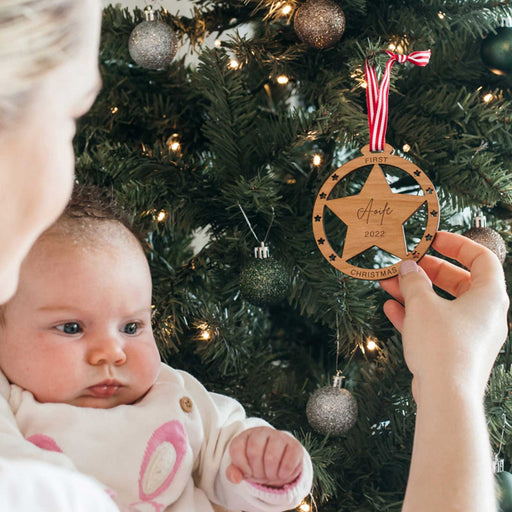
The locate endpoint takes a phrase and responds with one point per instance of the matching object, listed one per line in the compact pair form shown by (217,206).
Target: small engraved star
(322,195)
(332,257)
(417,173)
(334,177)
(318,218)
(430,190)
(428,237)
(321,241)
(433,213)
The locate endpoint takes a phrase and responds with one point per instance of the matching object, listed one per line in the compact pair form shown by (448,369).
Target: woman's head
(49,61)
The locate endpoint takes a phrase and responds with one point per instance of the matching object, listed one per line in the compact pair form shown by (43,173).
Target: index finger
(482,263)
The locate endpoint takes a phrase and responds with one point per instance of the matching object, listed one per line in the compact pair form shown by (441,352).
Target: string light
(441,15)
(317,159)
(488,97)
(173,142)
(406,148)
(205,333)
(217,43)
(371,345)
(162,215)
(114,110)
(304,507)
(282,79)
(287,9)
(234,64)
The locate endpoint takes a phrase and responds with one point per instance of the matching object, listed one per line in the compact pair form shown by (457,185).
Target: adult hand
(265,456)
(450,342)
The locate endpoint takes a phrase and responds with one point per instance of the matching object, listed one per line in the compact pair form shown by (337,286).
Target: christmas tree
(232,152)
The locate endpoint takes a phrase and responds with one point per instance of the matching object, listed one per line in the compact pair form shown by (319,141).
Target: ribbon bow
(377,97)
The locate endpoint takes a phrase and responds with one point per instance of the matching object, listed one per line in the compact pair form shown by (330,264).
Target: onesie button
(186,404)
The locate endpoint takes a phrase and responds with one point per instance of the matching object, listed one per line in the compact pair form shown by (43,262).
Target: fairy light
(488,97)
(217,43)
(234,64)
(371,345)
(287,9)
(173,142)
(317,160)
(392,47)
(114,110)
(282,79)
(441,15)
(406,148)
(205,332)
(305,507)
(162,215)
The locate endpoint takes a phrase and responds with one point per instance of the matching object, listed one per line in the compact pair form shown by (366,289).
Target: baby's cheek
(146,361)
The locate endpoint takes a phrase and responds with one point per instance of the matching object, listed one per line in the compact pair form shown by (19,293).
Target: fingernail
(408,266)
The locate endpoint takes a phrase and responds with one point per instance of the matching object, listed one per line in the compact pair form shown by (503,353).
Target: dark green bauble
(504,491)
(496,51)
(264,281)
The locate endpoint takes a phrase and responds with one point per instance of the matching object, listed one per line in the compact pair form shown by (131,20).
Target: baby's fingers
(283,459)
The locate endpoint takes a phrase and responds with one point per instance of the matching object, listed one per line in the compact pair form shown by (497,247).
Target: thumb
(234,474)
(413,280)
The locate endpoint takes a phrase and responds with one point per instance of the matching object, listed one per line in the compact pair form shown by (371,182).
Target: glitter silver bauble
(319,23)
(332,410)
(487,237)
(152,44)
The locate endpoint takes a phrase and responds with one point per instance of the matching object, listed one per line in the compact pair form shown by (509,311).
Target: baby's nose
(107,351)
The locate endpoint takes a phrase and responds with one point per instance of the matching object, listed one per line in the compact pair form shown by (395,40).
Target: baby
(86,384)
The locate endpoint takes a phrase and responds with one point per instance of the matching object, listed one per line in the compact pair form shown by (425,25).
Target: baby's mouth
(105,388)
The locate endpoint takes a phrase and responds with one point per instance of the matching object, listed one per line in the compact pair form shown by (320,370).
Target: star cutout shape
(375,217)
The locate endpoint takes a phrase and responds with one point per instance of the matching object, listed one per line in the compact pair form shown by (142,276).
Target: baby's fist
(265,456)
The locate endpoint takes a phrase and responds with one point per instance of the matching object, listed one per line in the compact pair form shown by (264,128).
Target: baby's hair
(92,209)
(36,36)
(92,216)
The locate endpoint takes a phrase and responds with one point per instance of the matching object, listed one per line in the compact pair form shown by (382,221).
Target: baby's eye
(131,328)
(69,328)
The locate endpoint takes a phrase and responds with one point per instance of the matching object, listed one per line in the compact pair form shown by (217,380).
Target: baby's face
(78,330)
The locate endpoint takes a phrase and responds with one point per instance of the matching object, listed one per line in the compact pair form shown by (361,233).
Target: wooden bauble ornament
(375,216)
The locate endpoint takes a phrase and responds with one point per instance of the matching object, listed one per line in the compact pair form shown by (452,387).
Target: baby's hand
(265,456)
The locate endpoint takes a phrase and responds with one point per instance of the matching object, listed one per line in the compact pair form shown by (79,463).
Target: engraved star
(375,217)
(417,173)
(322,195)
(318,218)
(321,241)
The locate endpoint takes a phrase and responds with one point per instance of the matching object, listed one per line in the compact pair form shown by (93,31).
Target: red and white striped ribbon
(377,97)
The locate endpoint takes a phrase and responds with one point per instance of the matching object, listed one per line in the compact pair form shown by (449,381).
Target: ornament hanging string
(262,250)
(377,97)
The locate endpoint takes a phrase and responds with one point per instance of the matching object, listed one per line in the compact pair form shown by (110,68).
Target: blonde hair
(35,37)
